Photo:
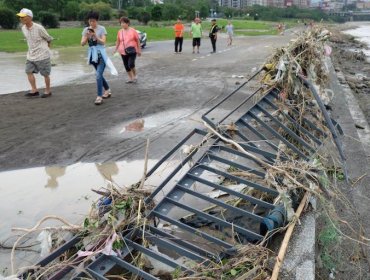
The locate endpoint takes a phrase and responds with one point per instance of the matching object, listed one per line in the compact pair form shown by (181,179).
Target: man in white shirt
(38,55)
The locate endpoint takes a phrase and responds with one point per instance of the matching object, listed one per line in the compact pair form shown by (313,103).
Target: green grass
(13,41)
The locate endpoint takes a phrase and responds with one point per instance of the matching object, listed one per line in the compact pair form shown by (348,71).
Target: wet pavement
(40,136)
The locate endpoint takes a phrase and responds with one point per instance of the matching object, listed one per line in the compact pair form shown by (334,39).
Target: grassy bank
(13,41)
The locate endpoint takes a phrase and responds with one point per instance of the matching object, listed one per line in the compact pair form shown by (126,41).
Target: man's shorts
(196,42)
(42,66)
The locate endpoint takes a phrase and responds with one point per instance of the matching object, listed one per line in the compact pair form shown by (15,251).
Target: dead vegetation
(120,210)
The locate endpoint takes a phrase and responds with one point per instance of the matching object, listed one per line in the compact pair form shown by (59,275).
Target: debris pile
(121,210)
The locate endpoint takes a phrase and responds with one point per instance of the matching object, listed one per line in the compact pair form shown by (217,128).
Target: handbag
(128,50)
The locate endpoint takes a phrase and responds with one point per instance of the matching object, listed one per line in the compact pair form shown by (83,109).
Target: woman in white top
(230,32)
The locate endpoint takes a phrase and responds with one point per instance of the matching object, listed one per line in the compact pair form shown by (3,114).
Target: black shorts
(196,42)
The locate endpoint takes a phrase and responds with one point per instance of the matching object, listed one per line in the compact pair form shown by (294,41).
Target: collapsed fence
(240,179)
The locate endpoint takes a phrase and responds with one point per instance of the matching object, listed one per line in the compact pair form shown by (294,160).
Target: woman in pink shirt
(128,45)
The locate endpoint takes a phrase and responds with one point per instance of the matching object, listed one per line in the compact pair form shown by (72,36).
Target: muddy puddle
(152,121)
(28,195)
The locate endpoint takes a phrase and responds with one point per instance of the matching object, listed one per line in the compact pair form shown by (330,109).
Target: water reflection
(54,172)
(107,170)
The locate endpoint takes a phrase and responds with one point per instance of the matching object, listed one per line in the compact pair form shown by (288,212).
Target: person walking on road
(179,35)
(213,34)
(196,33)
(95,36)
(230,33)
(38,55)
(128,45)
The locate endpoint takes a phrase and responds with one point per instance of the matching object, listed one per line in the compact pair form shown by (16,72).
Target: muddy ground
(68,127)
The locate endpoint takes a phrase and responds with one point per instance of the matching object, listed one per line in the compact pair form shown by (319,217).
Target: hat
(25,12)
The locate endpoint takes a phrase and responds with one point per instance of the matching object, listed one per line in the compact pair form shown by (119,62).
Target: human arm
(84,37)
(138,49)
(117,43)
(45,35)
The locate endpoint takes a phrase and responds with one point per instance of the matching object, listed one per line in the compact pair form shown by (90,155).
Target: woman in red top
(179,34)
(128,45)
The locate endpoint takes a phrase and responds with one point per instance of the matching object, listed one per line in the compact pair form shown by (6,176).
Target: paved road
(68,127)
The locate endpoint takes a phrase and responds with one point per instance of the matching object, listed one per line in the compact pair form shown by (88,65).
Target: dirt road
(69,128)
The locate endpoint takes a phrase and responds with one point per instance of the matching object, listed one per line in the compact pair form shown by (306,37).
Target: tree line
(50,12)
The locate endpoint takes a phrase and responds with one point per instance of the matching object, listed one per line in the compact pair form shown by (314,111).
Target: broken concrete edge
(299,263)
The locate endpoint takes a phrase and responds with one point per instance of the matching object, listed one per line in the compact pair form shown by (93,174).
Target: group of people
(38,55)
(127,45)
(94,35)
(196,33)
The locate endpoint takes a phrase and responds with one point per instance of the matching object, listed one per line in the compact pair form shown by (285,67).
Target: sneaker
(32,94)
(45,95)
(107,94)
(98,100)
(129,82)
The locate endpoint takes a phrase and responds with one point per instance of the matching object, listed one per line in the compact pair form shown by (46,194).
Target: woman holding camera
(128,45)
(95,36)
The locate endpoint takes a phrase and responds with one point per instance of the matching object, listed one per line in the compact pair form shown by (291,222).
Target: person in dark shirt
(213,34)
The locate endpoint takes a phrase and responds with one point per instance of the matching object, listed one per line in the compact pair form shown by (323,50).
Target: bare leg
(47,84)
(133,70)
(32,81)
(130,75)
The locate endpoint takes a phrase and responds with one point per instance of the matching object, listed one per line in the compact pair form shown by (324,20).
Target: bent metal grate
(192,221)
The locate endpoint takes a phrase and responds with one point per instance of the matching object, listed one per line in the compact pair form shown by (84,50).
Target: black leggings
(129,61)
(178,43)
(213,41)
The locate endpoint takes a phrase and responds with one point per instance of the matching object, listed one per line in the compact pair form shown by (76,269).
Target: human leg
(125,59)
(32,81)
(181,39)
(213,42)
(100,67)
(131,65)
(30,70)
(176,44)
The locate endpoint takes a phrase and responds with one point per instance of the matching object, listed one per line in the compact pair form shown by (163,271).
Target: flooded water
(362,33)
(157,120)
(69,65)
(28,195)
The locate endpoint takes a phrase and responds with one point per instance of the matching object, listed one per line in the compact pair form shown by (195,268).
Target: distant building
(362,5)
(239,4)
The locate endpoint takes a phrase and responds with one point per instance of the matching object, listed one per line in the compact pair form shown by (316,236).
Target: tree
(144,17)
(203,12)
(71,10)
(8,20)
(48,19)
(104,9)
(170,11)
(156,12)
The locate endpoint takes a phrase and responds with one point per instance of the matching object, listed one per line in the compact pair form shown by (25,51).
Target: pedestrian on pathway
(213,34)
(95,36)
(38,55)
(179,35)
(128,45)
(230,33)
(196,33)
